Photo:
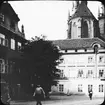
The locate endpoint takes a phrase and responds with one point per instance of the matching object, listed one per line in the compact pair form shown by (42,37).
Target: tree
(38,66)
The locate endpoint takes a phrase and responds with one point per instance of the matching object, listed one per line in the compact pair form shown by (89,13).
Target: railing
(4,42)
(11,29)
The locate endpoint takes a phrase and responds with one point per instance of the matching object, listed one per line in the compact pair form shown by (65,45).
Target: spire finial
(85,2)
(22,29)
(98,11)
(75,5)
(68,15)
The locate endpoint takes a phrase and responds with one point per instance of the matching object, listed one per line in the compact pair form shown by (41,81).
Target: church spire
(75,5)
(68,15)
(22,30)
(98,12)
(103,10)
(85,2)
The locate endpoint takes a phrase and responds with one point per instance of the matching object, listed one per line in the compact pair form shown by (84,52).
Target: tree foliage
(38,66)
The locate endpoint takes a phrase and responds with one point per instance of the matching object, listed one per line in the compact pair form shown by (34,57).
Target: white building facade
(83,51)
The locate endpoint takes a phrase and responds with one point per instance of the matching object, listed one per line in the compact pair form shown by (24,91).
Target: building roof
(7,9)
(82,11)
(83,43)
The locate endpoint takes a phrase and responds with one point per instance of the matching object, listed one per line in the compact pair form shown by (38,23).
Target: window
(101,73)
(2,66)
(80,88)
(80,73)
(12,25)
(61,87)
(13,44)
(90,59)
(90,87)
(90,73)
(101,88)
(6,42)
(61,74)
(1,17)
(19,45)
(74,24)
(101,59)
(6,66)
(2,39)
(85,29)
(12,64)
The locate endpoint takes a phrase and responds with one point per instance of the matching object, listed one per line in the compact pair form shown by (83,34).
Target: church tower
(101,17)
(75,5)
(82,24)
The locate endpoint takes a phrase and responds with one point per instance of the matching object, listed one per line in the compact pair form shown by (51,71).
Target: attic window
(1,17)
(12,25)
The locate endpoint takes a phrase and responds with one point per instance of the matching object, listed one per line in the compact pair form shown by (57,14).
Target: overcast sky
(47,17)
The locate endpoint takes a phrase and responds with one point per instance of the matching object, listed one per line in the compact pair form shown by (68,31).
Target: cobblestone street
(64,100)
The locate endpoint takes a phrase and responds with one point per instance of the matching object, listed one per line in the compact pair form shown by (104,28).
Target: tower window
(84,29)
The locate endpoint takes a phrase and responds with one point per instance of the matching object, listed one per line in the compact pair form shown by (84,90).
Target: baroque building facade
(83,67)
(11,40)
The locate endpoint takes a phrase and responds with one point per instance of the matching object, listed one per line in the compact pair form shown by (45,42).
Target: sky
(48,18)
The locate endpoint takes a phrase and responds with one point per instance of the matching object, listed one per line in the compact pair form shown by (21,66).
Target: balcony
(11,29)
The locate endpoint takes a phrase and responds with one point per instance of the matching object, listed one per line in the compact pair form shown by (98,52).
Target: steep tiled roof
(7,8)
(78,43)
(82,11)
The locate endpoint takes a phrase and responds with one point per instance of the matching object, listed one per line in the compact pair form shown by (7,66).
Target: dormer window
(1,17)
(12,25)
